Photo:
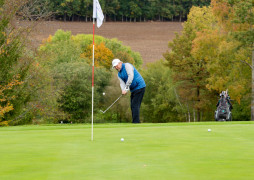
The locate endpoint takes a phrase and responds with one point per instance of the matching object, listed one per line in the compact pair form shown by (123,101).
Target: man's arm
(122,84)
(130,72)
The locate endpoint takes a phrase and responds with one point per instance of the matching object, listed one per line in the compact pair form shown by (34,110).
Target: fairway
(149,151)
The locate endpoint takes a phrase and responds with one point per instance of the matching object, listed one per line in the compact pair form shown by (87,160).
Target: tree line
(214,52)
(124,10)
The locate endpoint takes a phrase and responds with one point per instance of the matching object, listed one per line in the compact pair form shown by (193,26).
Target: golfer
(131,80)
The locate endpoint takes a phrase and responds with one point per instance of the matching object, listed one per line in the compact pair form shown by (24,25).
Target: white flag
(97,12)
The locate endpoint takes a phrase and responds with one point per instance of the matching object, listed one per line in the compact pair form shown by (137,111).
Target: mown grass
(149,151)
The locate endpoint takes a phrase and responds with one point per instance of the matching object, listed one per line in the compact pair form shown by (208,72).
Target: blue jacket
(137,82)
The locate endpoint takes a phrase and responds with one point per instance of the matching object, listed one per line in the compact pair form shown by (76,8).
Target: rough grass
(149,151)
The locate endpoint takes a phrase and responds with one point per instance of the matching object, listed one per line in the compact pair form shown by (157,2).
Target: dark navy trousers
(136,99)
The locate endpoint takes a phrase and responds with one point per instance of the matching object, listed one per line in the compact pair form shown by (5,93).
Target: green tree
(119,49)
(114,45)
(110,8)
(152,9)
(191,72)
(14,62)
(123,10)
(166,9)
(67,8)
(67,76)
(60,49)
(75,97)
(120,112)
(236,19)
(120,9)
(86,8)
(135,10)
(160,99)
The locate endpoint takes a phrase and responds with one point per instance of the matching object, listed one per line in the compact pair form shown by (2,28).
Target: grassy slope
(150,151)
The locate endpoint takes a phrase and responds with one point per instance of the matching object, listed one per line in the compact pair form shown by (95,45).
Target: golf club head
(111,104)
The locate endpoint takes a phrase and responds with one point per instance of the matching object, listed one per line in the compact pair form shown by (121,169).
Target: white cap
(115,62)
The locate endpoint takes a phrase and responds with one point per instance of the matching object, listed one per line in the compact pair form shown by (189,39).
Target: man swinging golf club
(130,79)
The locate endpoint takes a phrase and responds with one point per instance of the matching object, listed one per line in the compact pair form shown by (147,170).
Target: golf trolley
(223,114)
(223,111)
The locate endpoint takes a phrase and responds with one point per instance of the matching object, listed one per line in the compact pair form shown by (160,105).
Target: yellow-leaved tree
(236,19)
(5,104)
(16,57)
(190,70)
(220,56)
(102,55)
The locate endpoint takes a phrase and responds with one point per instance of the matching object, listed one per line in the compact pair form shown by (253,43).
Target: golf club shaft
(113,103)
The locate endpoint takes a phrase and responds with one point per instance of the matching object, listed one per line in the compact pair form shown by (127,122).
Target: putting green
(149,151)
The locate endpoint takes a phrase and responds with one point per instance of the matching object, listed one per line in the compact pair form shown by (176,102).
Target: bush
(102,55)
(66,93)
(74,79)
(160,103)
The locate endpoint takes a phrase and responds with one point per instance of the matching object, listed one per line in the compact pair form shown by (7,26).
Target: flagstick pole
(92,81)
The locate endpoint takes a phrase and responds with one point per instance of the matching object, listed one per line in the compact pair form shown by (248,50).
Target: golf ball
(122,139)
(103,94)
(209,130)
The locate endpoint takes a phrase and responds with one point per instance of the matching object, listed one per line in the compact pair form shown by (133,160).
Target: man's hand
(124,92)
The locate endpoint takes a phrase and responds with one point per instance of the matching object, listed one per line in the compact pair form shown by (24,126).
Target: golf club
(111,104)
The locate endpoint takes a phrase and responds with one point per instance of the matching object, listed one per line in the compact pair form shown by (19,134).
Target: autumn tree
(5,101)
(13,62)
(102,55)
(236,19)
(16,56)
(190,71)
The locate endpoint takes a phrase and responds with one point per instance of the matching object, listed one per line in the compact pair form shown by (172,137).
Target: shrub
(160,103)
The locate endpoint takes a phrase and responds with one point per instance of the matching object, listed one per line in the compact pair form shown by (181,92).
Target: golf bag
(223,112)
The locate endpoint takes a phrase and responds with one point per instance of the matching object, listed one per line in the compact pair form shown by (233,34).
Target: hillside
(149,38)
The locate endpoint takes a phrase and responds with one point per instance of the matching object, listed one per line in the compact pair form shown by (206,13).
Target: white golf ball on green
(122,139)
(209,130)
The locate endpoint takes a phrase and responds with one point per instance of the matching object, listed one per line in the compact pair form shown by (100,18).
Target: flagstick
(92,81)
